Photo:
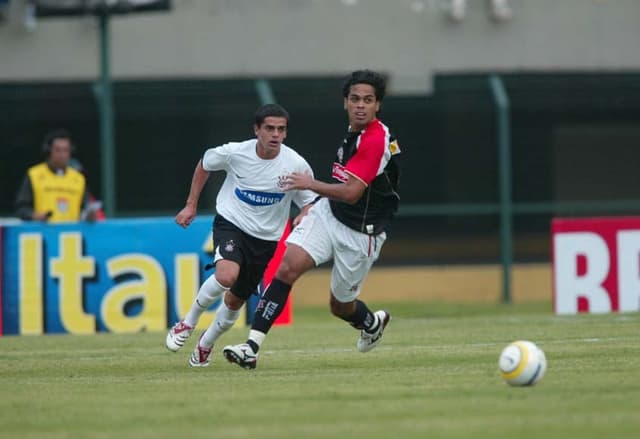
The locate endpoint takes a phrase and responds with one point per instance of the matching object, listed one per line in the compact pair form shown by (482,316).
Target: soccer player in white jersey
(347,225)
(252,211)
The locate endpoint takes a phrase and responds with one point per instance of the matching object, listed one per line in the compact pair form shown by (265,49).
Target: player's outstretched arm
(189,211)
(347,192)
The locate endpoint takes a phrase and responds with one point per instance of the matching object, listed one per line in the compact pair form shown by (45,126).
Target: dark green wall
(448,140)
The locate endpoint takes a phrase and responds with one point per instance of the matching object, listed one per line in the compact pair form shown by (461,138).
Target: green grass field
(434,376)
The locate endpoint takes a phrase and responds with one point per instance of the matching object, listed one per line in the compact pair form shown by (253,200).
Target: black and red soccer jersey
(371,156)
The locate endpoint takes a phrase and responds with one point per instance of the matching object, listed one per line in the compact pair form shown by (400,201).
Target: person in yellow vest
(53,191)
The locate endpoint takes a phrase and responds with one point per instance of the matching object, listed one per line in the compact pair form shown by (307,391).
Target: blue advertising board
(117,275)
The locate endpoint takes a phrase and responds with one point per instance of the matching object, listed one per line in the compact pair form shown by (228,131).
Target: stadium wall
(185,80)
(574,139)
(412,40)
(446,283)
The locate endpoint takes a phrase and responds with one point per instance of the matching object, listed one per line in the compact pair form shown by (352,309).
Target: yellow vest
(60,194)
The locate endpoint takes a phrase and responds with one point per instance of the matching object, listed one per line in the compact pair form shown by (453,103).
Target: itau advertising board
(124,275)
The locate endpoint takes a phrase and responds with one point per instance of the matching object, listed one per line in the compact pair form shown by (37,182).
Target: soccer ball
(522,363)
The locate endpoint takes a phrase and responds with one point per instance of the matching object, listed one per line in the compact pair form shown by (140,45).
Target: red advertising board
(285,318)
(596,264)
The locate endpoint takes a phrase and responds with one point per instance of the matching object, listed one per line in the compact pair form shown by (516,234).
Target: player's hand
(185,216)
(40,216)
(302,214)
(298,180)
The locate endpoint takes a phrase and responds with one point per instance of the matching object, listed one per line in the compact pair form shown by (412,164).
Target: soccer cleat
(241,354)
(368,341)
(178,335)
(200,357)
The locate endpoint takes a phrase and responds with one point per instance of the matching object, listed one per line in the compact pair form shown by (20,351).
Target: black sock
(270,305)
(362,318)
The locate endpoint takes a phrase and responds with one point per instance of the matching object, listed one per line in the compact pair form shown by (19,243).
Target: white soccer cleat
(368,341)
(178,335)
(241,354)
(201,356)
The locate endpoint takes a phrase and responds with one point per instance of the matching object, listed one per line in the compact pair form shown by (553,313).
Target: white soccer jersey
(251,196)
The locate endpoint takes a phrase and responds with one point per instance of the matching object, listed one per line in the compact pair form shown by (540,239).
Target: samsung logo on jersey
(258,198)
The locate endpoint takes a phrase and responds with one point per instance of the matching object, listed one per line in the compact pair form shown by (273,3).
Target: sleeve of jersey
(215,159)
(365,163)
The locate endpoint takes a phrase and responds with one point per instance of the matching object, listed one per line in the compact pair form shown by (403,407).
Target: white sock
(257,337)
(225,318)
(209,291)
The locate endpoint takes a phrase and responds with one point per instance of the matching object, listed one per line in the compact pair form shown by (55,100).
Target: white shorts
(324,238)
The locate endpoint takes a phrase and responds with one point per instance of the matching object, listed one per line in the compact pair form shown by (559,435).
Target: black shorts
(252,254)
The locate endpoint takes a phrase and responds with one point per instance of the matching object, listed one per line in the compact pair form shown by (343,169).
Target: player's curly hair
(374,79)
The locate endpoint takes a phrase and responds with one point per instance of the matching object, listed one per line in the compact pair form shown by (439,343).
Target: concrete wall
(407,38)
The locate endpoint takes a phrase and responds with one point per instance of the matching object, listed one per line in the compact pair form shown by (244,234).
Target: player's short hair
(374,79)
(270,110)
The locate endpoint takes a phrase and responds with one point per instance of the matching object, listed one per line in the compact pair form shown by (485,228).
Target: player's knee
(232,301)
(226,279)
(292,266)
(287,272)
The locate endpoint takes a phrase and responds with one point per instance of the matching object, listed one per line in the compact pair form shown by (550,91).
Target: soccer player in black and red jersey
(345,224)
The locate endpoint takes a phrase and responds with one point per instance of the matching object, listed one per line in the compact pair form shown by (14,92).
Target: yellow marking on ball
(524,359)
